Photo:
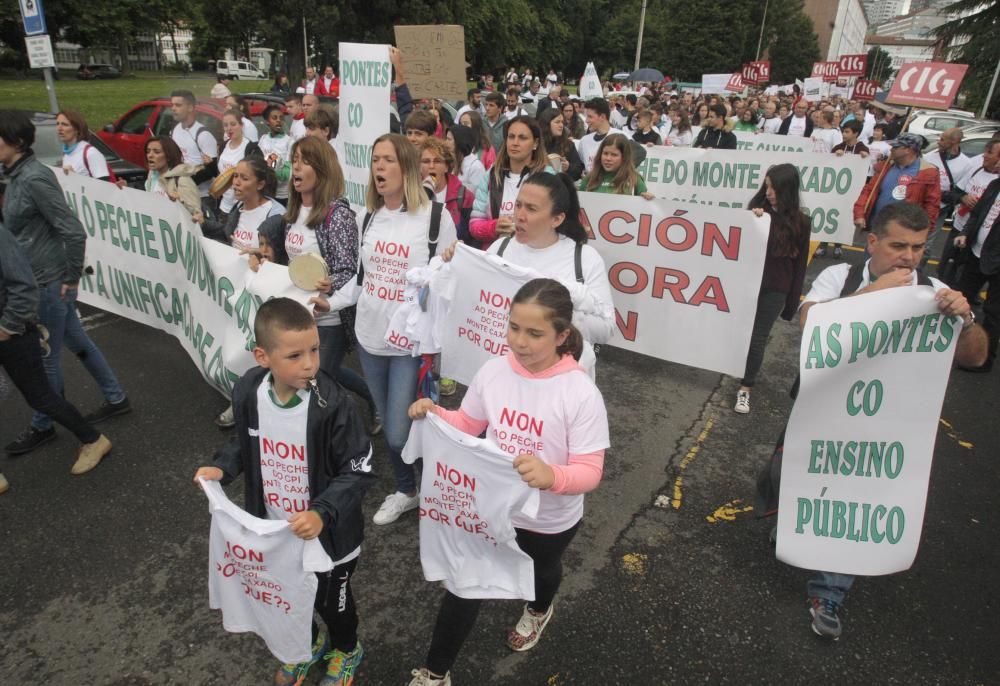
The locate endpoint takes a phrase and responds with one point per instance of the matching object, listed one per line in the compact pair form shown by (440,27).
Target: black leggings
(769,307)
(335,604)
(457,616)
(21,356)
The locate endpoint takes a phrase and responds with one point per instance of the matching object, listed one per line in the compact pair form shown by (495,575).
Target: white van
(234,69)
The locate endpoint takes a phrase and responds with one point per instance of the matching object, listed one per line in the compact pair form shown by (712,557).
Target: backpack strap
(434,230)
(503,246)
(578,261)
(495,193)
(86,162)
(364,228)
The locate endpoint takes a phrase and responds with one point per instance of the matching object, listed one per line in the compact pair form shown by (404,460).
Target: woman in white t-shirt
(397,237)
(236,102)
(253,188)
(680,130)
(522,154)
(536,403)
(79,156)
(237,147)
(319,220)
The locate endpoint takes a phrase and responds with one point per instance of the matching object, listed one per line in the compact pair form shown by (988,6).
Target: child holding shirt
(289,399)
(564,456)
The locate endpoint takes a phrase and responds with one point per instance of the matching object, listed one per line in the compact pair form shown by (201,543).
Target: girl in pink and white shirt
(542,408)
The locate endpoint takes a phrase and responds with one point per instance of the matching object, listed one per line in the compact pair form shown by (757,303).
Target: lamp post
(642,24)
(760,39)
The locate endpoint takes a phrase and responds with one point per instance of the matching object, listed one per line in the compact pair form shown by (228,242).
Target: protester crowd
(503,176)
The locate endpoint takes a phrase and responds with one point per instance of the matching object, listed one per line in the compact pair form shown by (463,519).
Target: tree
(792,43)
(879,65)
(972,39)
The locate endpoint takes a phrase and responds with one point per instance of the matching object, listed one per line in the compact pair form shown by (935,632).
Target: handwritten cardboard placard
(433,60)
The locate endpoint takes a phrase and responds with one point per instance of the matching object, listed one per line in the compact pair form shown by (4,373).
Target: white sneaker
(394,505)
(528,630)
(421,677)
(742,402)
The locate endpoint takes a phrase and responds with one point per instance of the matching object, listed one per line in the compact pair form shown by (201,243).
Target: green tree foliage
(975,43)
(879,65)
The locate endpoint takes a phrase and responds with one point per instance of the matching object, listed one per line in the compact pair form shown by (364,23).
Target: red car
(128,135)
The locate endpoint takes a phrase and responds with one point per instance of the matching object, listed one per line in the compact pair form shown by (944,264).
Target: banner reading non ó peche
(860,439)
(828,187)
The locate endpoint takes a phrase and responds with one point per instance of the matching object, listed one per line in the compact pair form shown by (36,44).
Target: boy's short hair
(187,96)
(324,116)
(421,120)
(598,106)
(854,125)
(496,99)
(294,97)
(17,129)
(276,316)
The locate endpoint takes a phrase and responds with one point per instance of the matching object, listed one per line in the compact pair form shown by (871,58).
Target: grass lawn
(101,102)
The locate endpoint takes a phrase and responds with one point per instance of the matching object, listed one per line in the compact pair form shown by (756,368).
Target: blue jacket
(18,290)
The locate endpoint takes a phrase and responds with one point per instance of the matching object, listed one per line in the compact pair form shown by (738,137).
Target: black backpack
(432,235)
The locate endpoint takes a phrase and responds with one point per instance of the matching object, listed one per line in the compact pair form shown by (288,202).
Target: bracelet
(970,321)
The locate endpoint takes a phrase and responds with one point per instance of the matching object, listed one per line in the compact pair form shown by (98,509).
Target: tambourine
(306,269)
(222,183)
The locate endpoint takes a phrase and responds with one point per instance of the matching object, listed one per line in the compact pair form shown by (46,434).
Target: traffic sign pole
(35,31)
(50,86)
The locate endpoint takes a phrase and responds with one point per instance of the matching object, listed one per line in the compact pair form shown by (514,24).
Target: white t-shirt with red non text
(551,417)
(245,237)
(299,240)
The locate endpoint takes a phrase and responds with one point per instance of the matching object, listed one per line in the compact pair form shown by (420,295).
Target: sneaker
(290,674)
(43,341)
(108,410)
(838,252)
(528,630)
(341,666)
(825,621)
(4,484)
(421,677)
(30,439)
(91,455)
(375,428)
(394,505)
(820,252)
(742,402)
(447,386)
(226,420)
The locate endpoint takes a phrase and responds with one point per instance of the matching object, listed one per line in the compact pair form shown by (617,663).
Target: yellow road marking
(634,563)
(953,435)
(688,459)
(729,511)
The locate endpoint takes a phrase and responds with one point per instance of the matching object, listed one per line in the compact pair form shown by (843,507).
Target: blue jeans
(392,380)
(332,348)
(59,316)
(829,586)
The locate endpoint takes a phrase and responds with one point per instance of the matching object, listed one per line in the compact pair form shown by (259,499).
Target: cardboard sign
(865,90)
(927,84)
(852,65)
(433,60)
(860,439)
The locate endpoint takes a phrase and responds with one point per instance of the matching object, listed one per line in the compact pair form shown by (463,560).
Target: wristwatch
(969,320)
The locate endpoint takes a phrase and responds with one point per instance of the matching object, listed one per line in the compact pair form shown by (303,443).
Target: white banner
(771,142)
(152,265)
(684,278)
(365,84)
(860,439)
(812,89)
(714,84)
(590,85)
(730,178)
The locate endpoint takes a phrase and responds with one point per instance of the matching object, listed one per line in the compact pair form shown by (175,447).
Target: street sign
(735,84)
(865,90)
(927,84)
(33,17)
(40,52)
(852,65)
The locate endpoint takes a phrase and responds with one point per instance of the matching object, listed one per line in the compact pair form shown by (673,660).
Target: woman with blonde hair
(402,229)
(523,154)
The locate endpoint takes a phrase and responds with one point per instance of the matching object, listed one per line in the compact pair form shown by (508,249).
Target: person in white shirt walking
(79,156)
(197,144)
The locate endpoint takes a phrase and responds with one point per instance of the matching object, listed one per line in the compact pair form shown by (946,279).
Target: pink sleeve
(581,475)
(483,229)
(463,422)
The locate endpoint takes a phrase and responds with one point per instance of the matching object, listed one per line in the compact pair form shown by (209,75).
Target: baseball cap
(908,140)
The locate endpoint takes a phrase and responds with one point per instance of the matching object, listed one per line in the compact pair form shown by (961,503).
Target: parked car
(48,149)
(128,135)
(972,144)
(234,69)
(97,71)
(931,125)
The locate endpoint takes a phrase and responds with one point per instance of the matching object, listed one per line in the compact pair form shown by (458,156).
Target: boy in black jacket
(305,458)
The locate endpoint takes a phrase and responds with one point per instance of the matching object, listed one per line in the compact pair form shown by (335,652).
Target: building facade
(840,25)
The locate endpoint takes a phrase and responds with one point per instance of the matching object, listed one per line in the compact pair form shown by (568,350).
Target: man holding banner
(896,243)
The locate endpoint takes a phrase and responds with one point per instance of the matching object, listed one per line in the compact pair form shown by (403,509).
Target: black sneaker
(30,439)
(825,621)
(108,410)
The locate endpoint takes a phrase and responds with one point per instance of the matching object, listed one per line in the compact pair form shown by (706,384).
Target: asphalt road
(104,575)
